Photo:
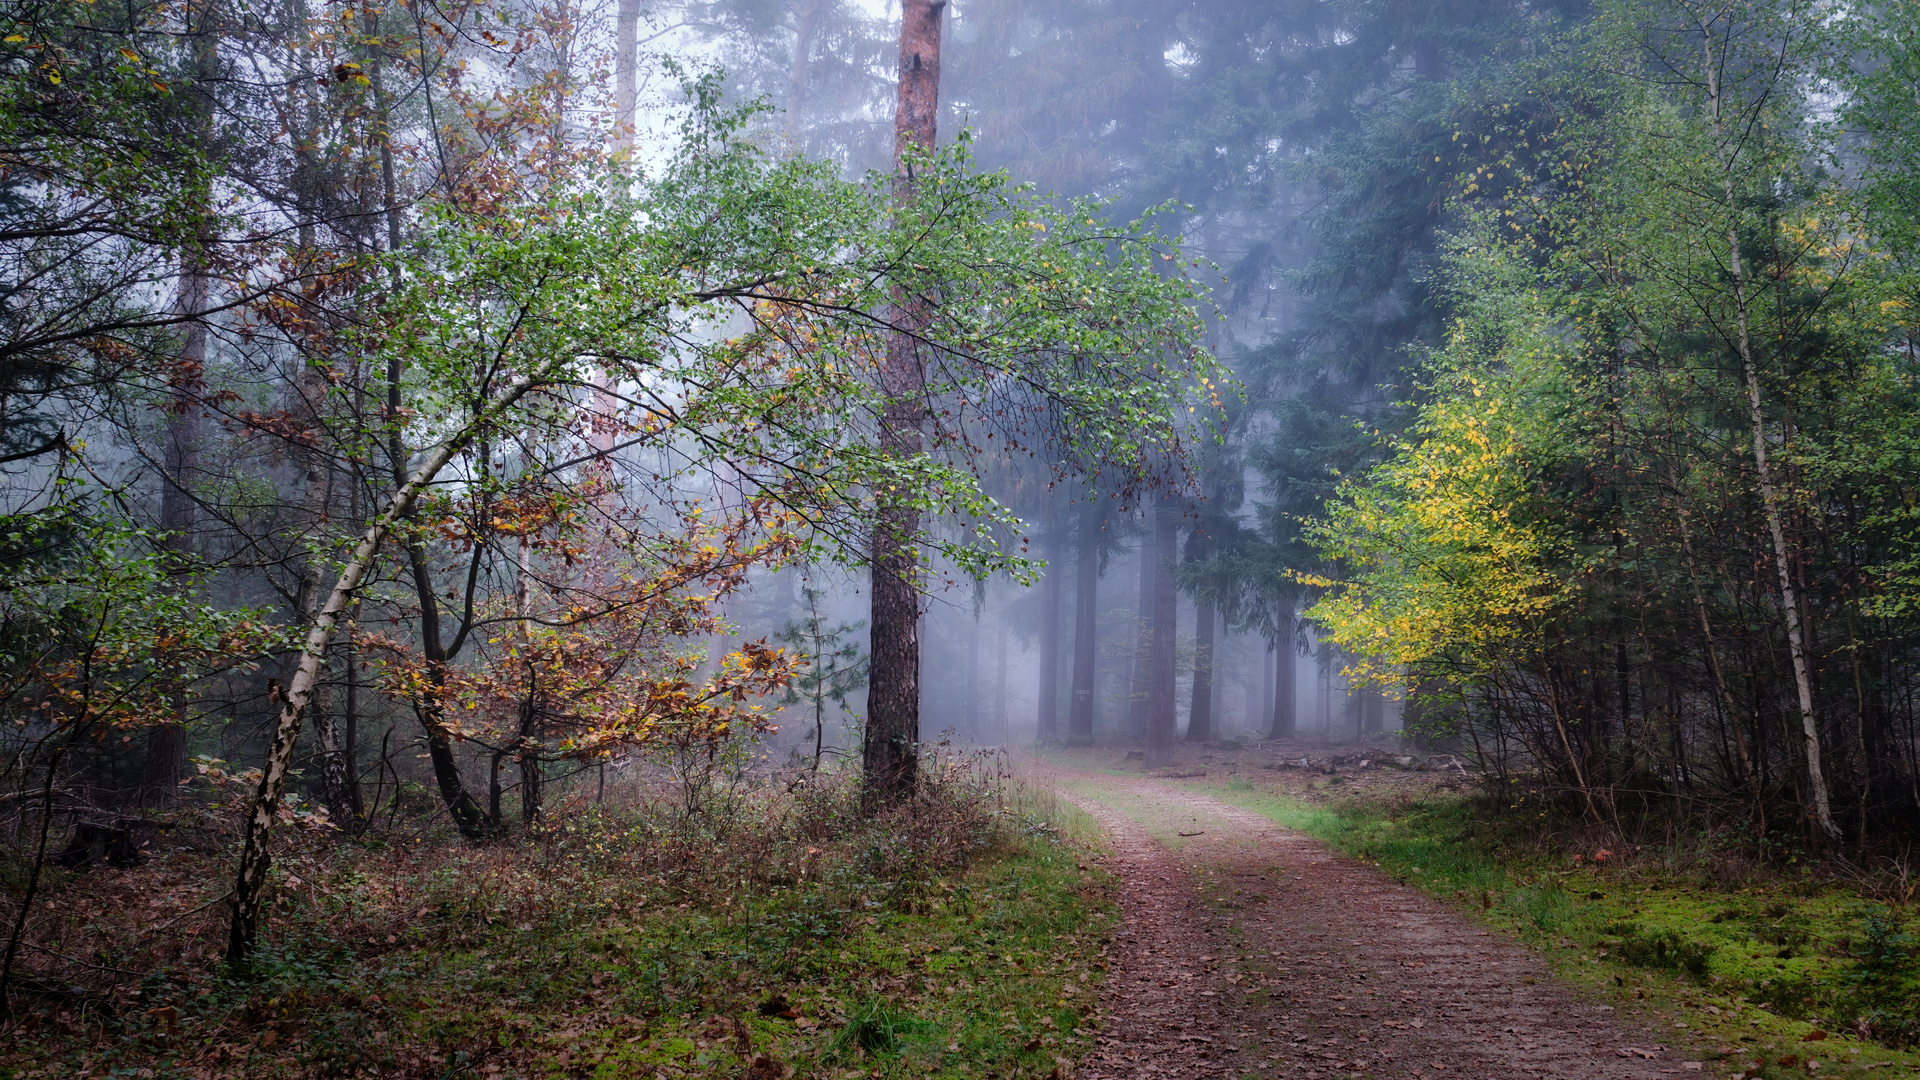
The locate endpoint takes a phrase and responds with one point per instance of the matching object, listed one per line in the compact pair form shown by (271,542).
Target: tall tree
(1139,668)
(1052,590)
(1161,664)
(166,764)
(1282,723)
(1086,597)
(1206,620)
(893,690)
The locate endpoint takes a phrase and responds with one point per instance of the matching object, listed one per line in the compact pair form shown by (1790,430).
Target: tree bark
(316,491)
(166,756)
(889,756)
(1000,681)
(527,741)
(970,722)
(1160,655)
(1284,723)
(34,870)
(1086,596)
(1266,688)
(626,67)
(1047,706)
(1712,648)
(1373,710)
(1137,669)
(251,877)
(1200,709)
(806,24)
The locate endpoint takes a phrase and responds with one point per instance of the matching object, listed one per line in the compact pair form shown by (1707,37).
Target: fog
(1094,98)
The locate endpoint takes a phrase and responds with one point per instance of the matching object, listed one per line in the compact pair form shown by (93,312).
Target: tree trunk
(1200,710)
(1284,722)
(889,756)
(166,756)
(1819,808)
(806,24)
(251,877)
(34,870)
(1200,705)
(431,703)
(1373,711)
(1160,655)
(350,724)
(1047,707)
(468,815)
(527,739)
(1139,665)
(626,67)
(970,723)
(1712,648)
(350,662)
(317,488)
(1086,596)
(1000,682)
(1266,687)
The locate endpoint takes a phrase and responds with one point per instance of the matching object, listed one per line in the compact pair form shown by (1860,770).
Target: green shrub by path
(1776,964)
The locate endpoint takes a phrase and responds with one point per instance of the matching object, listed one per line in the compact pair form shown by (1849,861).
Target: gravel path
(1249,950)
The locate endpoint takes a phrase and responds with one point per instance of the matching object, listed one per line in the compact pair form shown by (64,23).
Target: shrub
(876,1028)
(1665,949)
(1545,906)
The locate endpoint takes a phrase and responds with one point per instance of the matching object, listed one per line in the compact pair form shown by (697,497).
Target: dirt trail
(1250,950)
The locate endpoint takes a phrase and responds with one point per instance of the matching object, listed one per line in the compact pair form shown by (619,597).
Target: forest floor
(1250,948)
(957,939)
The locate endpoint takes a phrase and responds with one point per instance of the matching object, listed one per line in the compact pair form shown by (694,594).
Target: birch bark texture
(1730,143)
(250,880)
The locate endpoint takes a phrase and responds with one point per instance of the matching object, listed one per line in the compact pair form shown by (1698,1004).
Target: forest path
(1250,950)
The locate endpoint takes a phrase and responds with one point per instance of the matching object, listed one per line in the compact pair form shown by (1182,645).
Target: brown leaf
(1813,1036)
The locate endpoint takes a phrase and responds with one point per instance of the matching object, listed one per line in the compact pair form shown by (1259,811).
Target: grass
(1764,975)
(868,961)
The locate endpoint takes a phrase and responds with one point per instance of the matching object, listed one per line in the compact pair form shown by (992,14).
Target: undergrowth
(955,936)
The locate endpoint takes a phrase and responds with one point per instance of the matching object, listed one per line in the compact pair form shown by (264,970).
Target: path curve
(1251,950)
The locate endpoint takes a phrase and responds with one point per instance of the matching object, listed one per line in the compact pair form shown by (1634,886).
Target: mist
(761,476)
